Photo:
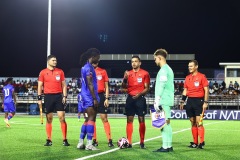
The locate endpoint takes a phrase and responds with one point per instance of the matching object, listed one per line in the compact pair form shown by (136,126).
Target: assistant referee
(195,96)
(52,81)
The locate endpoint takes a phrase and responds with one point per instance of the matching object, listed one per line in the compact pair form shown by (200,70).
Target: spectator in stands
(177,92)
(176,85)
(137,83)
(181,86)
(223,85)
(236,86)
(215,87)
(210,84)
(211,91)
(230,87)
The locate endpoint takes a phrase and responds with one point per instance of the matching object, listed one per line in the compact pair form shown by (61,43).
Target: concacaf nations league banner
(210,114)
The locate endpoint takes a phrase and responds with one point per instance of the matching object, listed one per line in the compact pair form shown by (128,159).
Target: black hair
(137,58)
(91,52)
(9,80)
(50,56)
(194,61)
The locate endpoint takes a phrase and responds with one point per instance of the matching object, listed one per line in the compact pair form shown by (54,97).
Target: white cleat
(81,146)
(91,148)
(7,123)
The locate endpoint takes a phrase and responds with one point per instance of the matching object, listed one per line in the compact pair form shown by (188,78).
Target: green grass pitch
(26,137)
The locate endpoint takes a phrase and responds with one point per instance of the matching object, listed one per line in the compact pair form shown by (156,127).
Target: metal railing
(117,102)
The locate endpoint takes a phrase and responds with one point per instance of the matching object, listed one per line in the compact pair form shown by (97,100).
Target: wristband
(184,98)
(39,97)
(107,98)
(205,101)
(65,96)
(124,80)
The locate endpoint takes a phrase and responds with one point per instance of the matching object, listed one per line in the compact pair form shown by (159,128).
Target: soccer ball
(123,143)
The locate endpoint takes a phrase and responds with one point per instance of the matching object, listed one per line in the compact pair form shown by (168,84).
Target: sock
(129,130)
(10,116)
(95,132)
(107,130)
(169,133)
(49,130)
(201,132)
(195,134)
(83,131)
(64,129)
(90,130)
(142,129)
(164,137)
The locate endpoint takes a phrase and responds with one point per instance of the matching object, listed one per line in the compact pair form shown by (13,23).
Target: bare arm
(64,91)
(106,104)
(40,85)
(14,97)
(181,101)
(125,78)
(91,88)
(206,96)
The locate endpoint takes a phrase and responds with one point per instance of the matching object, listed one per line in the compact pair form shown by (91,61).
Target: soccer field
(26,137)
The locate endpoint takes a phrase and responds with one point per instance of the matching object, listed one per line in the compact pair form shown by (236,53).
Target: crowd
(222,89)
(28,87)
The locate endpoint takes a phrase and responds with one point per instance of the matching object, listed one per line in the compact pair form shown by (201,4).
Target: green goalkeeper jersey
(164,87)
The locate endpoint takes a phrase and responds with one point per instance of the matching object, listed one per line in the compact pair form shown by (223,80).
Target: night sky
(208,28)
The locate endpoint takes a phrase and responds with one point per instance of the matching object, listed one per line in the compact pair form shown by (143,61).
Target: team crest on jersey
(99,77)
(57,77)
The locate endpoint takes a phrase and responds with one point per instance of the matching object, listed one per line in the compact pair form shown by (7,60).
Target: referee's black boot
(162,150)
(65,142)
(142,146)
(110,143)
(95,143)
(193,145)
(170,149)
(201,145)
(48,143)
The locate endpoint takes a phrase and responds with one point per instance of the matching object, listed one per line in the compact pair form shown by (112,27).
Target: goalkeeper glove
(156,104)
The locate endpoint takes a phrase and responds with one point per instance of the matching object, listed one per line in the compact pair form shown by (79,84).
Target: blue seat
(33,109)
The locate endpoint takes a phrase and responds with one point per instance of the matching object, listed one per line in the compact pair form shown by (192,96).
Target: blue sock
(83,130)
(10,116)
(90,129)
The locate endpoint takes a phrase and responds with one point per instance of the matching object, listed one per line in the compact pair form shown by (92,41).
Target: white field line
(150,139)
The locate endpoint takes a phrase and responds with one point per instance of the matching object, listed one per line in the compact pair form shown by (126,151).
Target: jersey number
(6,92)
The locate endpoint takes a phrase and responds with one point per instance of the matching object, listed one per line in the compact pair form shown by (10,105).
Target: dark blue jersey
(88,70)
(8,93)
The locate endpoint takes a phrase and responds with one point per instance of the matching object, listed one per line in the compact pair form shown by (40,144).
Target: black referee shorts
(194,106)
(101,108)
(53,102)
(136,106)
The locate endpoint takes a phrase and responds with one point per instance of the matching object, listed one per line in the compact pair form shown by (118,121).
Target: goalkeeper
(164,97)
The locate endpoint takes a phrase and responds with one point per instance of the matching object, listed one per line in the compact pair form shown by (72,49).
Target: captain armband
(39,97)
